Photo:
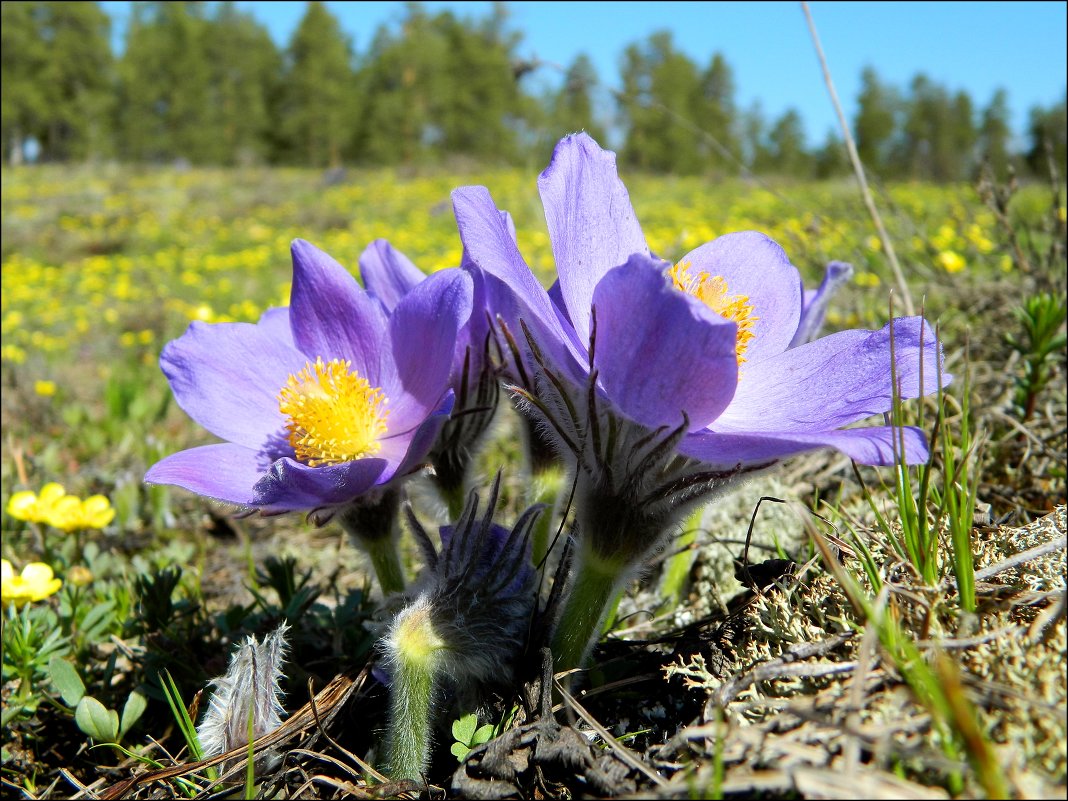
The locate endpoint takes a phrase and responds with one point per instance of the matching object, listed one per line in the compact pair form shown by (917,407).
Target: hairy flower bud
(463,630)
(249,690)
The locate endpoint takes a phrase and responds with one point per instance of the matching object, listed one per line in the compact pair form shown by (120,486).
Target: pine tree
(964,135)
(321,101)
(76,80)
(442,86)
(787,146)
(165,86)
(661,96)
(876,123)
(23,55)
(717,115)
(831,159)
(1046,132)
(994,134)
(572,106)
(246,73)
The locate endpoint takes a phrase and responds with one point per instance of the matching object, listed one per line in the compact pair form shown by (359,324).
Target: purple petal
(422,335)
(591,222)
(332,317)
(659,352)
(490,247)
(407,452)
(834,381)
(223,471)
(388,273)
(874,446)
(227,377)
(289,485)
(753,265)
(815,302)
(275,323)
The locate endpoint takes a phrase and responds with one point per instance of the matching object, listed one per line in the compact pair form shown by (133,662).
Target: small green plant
(295,594)
(468,735)
(1040,345)
(31,638)
(93,718)
(957,492)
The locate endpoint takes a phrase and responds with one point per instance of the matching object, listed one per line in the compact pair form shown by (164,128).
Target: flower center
(334,414)
(712,291)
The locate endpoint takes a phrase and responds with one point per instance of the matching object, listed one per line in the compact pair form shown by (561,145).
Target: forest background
(204,84)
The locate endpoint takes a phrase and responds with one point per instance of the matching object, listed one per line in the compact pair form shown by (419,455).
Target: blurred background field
(162,182)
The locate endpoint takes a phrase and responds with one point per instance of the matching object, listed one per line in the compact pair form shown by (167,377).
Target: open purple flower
(663,383)
(319,403)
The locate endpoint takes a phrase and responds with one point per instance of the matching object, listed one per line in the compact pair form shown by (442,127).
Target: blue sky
(975,46)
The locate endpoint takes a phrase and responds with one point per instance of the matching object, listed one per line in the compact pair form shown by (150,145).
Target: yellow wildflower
(29,506)
(72,514)
(79,575)
(950,261)
(35,583)
(44,388)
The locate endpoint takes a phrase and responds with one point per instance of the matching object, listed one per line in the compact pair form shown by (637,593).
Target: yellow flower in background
(950,261)
(34,508)
(44,388)
(80,575)
(73,514)
(35,583)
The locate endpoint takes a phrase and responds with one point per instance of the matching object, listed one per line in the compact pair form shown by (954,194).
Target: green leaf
(460,751)
(463,729)
(482,735)
(66,680)
(96,720)
(132,711)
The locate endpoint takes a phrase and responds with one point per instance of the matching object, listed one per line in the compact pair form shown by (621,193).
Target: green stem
(415,651)
(454,500)
(595,585)
(372,524)
(385,558)
(546,485)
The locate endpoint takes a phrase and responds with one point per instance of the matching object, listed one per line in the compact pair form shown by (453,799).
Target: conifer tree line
(204,83)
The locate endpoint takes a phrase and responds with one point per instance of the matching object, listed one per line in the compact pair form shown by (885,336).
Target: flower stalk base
(595,586)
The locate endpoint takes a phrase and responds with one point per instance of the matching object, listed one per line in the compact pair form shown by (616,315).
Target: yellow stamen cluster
(334,414)
(712,290)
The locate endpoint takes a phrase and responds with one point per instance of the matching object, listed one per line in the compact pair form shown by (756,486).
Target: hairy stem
(593,588)
(415,664)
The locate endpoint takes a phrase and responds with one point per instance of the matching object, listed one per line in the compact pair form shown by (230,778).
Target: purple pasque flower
(664,382)
(321,402)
